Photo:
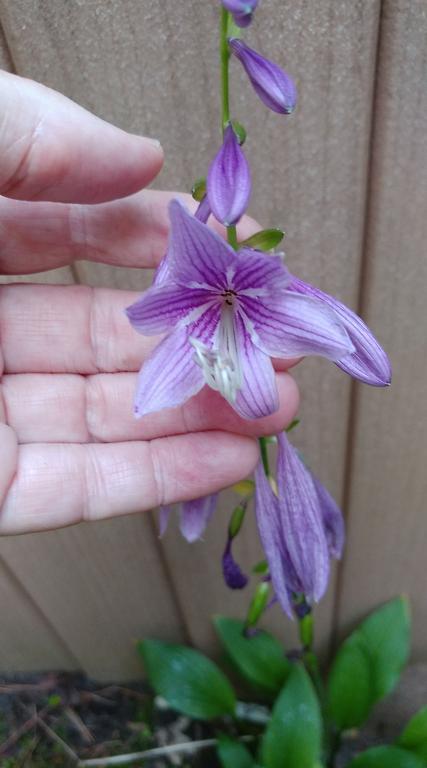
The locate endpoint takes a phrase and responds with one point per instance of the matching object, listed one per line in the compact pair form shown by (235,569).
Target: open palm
(70,448)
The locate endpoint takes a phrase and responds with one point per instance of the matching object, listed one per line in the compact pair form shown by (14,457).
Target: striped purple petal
(290,325)
(195,515)
(333,521)
(229,181)
(272,84)
(302,521)
(169,377)
(368,362)
(197,255)
(259,275)
(258,395)
(269,521)
(167,306)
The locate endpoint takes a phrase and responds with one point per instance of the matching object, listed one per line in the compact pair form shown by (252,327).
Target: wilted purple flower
(242,10)
(368,362)
(193,516)
(233,575)
(226,313)
(229,181)
(300,528)
(273,85)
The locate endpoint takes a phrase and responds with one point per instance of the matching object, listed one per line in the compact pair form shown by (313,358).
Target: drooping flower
(368,362)
(242,10)
(301,528)
(193,516)
(229,181)
(272,84)
(233,574)
(226,313)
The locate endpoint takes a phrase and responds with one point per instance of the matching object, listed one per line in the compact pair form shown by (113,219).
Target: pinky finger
(59,485)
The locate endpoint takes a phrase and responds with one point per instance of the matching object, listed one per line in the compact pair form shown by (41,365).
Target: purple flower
(368,362)
(194,517)
(229,181)
(242,10)
(300,528)
(226,313)
(274,86)
(233,575)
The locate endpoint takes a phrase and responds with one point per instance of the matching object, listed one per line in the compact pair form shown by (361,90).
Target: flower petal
(197,255)
(272,84)
(258,395)
(169,377)
(195,515)
(302,521)
(166,306)
(368,362)
(258,275)
(267,510)
(292,325)
(229,181)
(333,521)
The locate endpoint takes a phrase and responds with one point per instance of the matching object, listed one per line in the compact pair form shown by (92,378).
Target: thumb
(53,149)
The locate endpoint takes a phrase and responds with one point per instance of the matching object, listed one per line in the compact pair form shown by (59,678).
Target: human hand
(70,448)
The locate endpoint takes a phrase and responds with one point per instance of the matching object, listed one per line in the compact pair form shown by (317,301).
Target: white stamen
(221,365)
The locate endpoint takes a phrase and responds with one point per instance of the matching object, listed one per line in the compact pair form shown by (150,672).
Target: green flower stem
(225,57)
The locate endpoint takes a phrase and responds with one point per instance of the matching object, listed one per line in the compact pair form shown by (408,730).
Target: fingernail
(154,142)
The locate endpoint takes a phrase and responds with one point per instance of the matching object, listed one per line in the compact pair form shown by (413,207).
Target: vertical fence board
(152,68)
(387,538)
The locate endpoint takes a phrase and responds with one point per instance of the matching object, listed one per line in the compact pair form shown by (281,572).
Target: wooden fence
(347,178)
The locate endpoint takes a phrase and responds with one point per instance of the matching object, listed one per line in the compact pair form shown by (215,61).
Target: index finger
(53,149)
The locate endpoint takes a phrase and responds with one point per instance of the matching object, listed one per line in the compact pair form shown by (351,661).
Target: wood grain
(387,538)
(152,68)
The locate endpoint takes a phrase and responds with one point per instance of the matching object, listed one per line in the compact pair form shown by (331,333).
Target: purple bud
(242,10)
(204,210)
(274,86)
(229,181)
(233,575)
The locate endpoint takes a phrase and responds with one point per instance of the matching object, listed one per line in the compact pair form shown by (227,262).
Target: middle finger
(72,408)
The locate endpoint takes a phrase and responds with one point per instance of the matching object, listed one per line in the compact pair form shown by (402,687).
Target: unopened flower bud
(242,10)
(272,84)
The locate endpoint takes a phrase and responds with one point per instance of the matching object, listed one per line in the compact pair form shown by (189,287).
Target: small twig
(54,737)
(171,749)
(79,725)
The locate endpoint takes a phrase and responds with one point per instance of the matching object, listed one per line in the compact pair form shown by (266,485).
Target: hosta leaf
(414,735)
(386,757)
(260,659)
(233,754)
(190,682)
(349,685)
(293,736)
(368,664)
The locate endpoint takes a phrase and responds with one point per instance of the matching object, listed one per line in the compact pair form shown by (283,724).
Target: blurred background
(346,178)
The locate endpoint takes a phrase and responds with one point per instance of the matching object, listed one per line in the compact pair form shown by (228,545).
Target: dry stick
(54,737)
(187,746)
(21,731)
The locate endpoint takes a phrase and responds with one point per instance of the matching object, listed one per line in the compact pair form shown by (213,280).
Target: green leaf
(349,685)
(260,659)
(261,567)
(414,735)
(368,664)
(190,682)
(265,240)
(386,635)
(232,754)
(386,757)
(240,131)
(293,736)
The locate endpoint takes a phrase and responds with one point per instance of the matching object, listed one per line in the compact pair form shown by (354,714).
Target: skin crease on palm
(70,448)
